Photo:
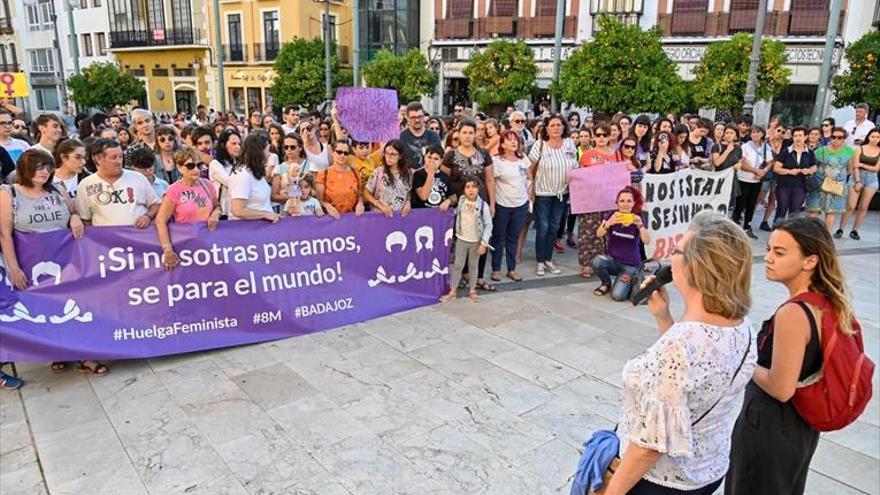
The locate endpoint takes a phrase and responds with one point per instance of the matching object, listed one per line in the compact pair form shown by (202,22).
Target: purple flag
(369,114)
(107,296)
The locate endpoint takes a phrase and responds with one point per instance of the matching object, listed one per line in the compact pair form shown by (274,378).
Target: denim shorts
(869,179)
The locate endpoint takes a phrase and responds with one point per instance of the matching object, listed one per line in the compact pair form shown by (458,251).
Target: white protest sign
(672,201)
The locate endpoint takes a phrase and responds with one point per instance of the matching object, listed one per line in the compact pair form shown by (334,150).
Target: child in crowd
(304,204)
(473,231)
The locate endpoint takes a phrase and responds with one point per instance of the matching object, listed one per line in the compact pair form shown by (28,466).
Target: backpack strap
(732,378)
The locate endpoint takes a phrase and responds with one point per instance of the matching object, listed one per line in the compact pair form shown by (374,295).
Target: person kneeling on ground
(623,230)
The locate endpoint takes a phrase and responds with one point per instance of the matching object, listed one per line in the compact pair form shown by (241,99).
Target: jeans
(788,201)
(645,487)
(605,266)
(505,234)
(746,202)
(465,256)
(549,211)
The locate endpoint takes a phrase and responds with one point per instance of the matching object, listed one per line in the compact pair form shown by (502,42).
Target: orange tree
(861,81)
(722,73)
(409,74)
(501,74)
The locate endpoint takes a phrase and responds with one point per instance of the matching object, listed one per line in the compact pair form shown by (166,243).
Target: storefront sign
(797,55)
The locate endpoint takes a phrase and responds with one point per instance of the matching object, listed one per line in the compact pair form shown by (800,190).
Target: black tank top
(812,356)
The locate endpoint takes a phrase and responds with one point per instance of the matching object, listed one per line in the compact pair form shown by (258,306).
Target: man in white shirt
(291,119)
(15,147)
(113,195)
(858,128)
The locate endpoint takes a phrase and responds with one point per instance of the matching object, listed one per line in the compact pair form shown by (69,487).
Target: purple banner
(106,296)
(369,114)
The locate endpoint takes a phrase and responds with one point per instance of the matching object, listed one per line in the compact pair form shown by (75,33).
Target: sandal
(484,286)
(516,277)
(58,366)
(96,368)
(602,290)
(496,276)
(586,272)
(474,297)
(463,282)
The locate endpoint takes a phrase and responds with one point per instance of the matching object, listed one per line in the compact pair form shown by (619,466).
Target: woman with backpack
(772,443)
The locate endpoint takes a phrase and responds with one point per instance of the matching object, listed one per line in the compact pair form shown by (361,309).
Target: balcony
(689,24)
(503,27)
(155,37)
(235,53)
(808,22)
(266,52)
(716,24)
(10,67)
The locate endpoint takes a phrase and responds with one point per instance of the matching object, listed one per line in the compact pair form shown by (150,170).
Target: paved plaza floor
(460,398)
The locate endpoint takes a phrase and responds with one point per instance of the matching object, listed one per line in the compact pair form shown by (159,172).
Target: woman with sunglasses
(255,121)
(835,163)
(388,188)
(190,199)
(436,124)
(574,121)
(627,153)
(286,176)
(589,244)
(166,145)
(317,153)
(338,187)
(863,183)
(827,125)
(324,133)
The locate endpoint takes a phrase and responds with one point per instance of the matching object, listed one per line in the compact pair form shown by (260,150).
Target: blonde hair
(181,155)
(813,239)
(718,263)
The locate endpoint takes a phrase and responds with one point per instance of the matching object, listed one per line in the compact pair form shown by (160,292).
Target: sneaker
(539,270)
(765,227)
(854,235)
(10,382)
(559,248)
(552,268)
(570,241)
(838,234)
(751,234)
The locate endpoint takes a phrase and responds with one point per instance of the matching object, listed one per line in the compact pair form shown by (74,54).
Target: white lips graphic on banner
(71,312)
(423,240)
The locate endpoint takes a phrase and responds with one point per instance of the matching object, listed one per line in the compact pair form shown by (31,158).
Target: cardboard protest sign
(369,114)
(595,188)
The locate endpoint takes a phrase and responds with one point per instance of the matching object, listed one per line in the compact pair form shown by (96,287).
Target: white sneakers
(546,266)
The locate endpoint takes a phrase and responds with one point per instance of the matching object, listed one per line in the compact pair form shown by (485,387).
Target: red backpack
(844,388)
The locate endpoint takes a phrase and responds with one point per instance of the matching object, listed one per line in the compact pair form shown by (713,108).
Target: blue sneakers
(10,382)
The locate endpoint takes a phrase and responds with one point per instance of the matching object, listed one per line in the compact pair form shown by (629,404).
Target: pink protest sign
(595,188)
(369,114)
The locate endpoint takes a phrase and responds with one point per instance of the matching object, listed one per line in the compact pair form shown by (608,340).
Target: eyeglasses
(457,110)
(415,117)
(306,128)
(838,137)
(164,139)
(46,167)
(519,121)
(17,126)
(192,165)
(827,124)
(342,152)
(629,146)
(291,146)
(601,134)
(6,123)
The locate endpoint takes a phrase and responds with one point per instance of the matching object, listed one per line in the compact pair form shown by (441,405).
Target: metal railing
(266,52)
(156,37)
(235,53)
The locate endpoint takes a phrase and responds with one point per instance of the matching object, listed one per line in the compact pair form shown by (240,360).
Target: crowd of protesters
(500,177)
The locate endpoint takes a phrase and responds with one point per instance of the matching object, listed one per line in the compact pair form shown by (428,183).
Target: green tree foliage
(623,69)
(861,81)
(102,85)
(501,74)
(409,74)
(722,73)
(299,72)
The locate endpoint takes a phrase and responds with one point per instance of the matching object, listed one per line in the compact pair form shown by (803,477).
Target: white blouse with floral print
(671,385)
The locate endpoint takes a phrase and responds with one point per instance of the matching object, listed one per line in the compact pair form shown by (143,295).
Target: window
(160,72)
(83,4)
(255,99)
(271,34)
(233,24)
(39,16)
(334,25)
(545,8)
(87,45)
(181,14)
(689,17)
(236,99)
(503,8)
(155,15)
(8,59)
(47,98)
(460,9)
(184,72)
(47,11)
(42,60)
(96,3)
(626,11)
(102,44)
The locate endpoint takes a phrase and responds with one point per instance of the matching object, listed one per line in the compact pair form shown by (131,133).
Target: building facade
(165,44)
(48,63)
(389,25)
(10,56)
(252,33)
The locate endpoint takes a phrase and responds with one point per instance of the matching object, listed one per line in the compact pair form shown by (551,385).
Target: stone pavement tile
(273,386)
(242,359)
(315,422)
(859,436)
(551,466)
(87,457)
(507,390)
(872,412)
(367,465)
(602,398)
(16,450)
(571,421)
(412,330)
(225,484)
(54,402)
(381,362)
(602,365)
(196,381)
(463,466)
(844,464)
(446,399)
(393,416)
(347,339)
(819,484)
(269,461)
(484,314)
(11,410)
(227,417)
(539,332)
(450,360)
(479,342)
(27,480)
(538,369)
(501,431)
(162,363)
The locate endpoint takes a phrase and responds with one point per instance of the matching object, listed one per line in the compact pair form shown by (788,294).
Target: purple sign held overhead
(369,114)
(107,296)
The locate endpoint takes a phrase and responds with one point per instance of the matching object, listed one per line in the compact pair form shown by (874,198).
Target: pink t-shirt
(192,203)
